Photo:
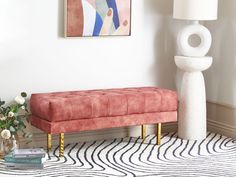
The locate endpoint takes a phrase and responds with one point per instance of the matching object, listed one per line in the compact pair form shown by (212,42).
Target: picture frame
(96,18)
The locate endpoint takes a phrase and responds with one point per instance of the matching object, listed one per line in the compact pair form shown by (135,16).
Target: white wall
(221,77)
(34,56)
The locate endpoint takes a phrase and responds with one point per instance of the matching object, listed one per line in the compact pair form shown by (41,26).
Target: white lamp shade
(195,9)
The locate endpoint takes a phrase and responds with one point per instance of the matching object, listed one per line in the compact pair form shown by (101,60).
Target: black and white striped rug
(214,156)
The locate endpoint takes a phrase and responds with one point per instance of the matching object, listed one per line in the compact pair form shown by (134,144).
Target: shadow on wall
(164,68)
(220,79)
(159,7)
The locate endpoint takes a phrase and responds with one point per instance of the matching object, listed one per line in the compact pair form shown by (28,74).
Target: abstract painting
(97,18)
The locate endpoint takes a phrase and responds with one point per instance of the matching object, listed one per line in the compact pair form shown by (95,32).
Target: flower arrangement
(12,118)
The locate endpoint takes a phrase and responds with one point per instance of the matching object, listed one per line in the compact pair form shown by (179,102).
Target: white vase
(192,97)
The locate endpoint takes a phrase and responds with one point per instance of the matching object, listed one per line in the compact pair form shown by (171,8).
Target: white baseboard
(40,138)
(221,119)
(221,128)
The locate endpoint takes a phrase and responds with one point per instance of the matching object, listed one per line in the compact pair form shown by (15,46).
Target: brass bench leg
(143,131)
(49,142)
(61,145)
(159,134)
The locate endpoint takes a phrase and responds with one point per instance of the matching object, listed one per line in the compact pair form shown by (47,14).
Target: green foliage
(23,94)
(16,122)
(2,102)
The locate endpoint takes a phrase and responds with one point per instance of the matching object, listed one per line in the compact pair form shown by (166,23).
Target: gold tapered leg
(49,142)
(61,145)
(159,134)
(143,129)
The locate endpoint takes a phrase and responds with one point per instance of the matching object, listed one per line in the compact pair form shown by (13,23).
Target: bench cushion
(74,105)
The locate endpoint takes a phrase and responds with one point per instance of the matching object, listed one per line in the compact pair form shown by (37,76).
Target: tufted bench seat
(74,111)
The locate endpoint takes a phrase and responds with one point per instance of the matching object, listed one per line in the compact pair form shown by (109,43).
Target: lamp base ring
(183,40)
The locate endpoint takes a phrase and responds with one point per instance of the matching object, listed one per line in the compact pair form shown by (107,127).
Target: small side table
(192,97)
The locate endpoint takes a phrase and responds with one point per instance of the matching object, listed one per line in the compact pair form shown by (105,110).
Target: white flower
(6,134)
(3,118)
(10,114)
(20,100)
(22,107)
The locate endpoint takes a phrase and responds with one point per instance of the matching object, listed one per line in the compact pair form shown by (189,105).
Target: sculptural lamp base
(192,97)
(194,41)
(185,34)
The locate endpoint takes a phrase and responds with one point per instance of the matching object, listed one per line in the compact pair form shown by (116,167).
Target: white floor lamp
(192,106)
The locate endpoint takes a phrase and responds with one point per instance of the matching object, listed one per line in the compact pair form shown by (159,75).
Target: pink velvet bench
(75,111)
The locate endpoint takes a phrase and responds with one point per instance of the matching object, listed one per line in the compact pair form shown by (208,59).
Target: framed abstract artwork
(97,18)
